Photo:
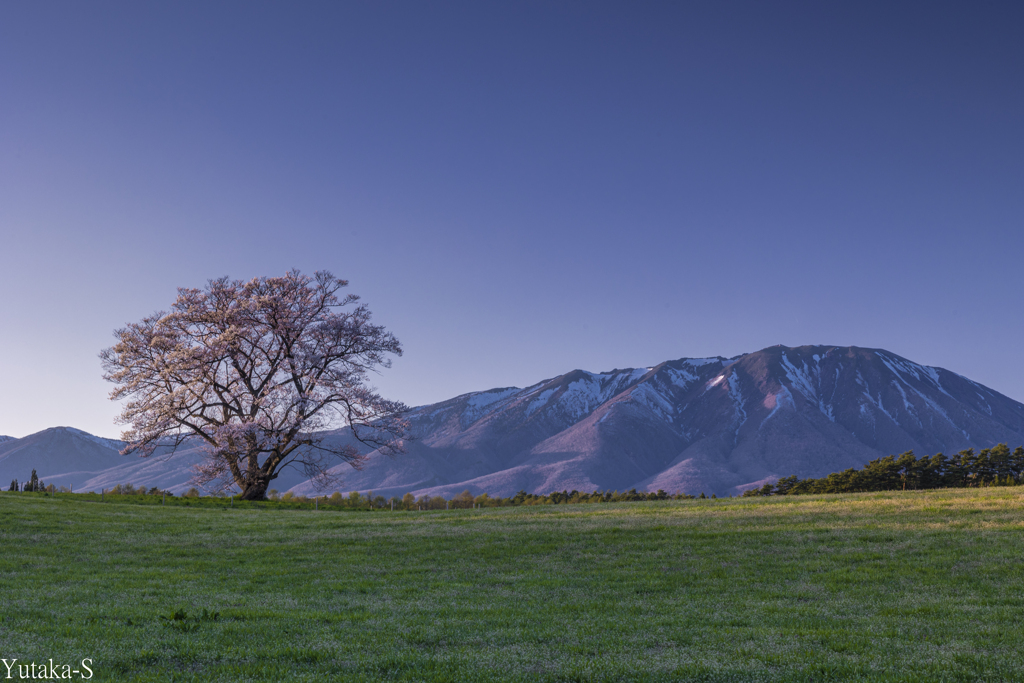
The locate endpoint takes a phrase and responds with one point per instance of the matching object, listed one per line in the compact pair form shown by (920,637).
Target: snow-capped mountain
(709,424)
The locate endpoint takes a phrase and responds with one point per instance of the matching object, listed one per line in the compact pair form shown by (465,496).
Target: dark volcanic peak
(695,424)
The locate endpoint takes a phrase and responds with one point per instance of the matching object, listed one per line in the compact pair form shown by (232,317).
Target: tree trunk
(257,490)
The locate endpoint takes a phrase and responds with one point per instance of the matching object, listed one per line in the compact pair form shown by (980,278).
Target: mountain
(696,424)
(64,456)
(708,424)
(71,453)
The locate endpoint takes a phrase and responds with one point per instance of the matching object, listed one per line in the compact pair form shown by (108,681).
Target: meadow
(900,586)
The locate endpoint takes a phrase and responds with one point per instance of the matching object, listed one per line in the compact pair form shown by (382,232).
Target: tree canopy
(256,371)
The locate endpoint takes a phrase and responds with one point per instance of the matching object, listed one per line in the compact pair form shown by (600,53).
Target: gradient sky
(515,189)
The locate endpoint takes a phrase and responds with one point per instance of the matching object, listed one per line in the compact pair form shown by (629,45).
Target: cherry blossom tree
(256,371)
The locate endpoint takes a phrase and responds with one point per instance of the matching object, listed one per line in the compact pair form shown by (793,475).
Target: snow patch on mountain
(534,388)
(539,402)
(700,362)
(649,397)
(801,379)
(583,395)
(901,367)
(907,405)
(680,378)
(782,397)
(107,443)
(938,409)
(807,380)
(486,398)
(737,397)
(486,402)
(878,402)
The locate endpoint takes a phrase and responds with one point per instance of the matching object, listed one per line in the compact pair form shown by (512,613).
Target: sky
(515,189)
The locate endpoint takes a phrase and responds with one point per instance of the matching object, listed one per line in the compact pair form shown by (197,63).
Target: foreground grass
(888,586)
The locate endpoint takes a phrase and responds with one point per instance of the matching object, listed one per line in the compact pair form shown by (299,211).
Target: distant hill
(716,425)
(59,450)
(64,456)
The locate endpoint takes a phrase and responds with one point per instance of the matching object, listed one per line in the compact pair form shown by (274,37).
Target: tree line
(466,499)
(33,484)
(995,466)
(369,501)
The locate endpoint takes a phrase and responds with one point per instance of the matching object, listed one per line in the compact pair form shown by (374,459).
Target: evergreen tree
(14,485)
(1017,464)
(784,485)
(984,471)
(933,471)
(1000,462)
(909,470)
(960,468)
(888,474)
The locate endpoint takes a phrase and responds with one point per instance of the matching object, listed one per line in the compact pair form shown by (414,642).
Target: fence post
(316,503)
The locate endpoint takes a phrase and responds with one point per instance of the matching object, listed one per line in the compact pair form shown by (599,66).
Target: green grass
(917,586)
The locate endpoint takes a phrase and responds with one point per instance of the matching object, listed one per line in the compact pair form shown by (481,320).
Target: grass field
(910,586)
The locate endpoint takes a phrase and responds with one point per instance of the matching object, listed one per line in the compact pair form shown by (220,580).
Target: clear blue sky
(516,189)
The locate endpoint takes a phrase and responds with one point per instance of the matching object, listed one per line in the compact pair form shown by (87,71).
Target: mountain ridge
(717,425)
